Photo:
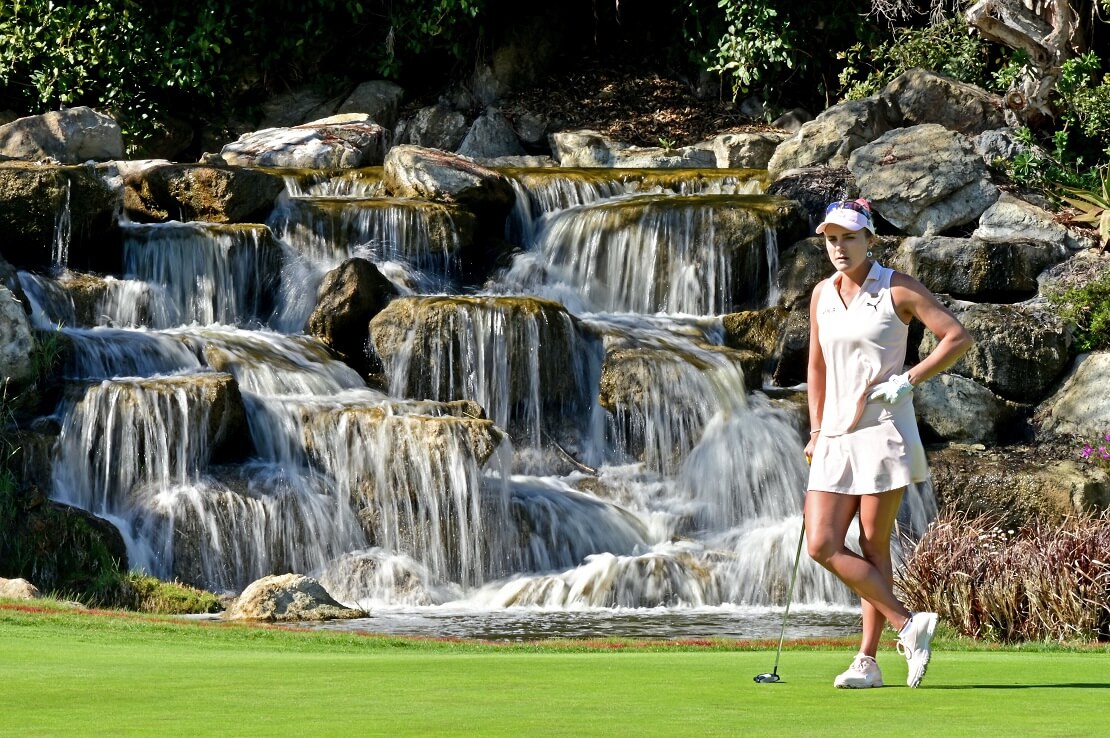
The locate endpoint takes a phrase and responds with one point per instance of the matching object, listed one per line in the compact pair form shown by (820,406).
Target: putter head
(768,678)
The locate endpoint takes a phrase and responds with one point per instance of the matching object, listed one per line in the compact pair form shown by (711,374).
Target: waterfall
(63,226)
(569,436)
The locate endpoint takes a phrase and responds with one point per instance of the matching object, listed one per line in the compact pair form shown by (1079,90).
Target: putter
(772,676)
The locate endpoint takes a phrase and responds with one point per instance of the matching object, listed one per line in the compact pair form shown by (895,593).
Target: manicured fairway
(97,675)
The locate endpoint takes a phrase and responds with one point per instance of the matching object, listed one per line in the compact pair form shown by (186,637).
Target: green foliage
(142,593)
(1093,207)
(143,61)
(756,44)
(944,46)
(1087,307)
(1086,97)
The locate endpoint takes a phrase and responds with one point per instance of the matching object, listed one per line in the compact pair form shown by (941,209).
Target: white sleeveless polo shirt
(865,446)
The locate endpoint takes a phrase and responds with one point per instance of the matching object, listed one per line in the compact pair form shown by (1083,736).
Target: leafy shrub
(1034,584)
(1087,307)
(142,593)
(944,46)
(142,61)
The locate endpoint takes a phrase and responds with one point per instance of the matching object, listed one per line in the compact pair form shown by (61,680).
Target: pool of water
(528,624)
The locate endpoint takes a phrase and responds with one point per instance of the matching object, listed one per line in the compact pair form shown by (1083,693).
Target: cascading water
(570,450)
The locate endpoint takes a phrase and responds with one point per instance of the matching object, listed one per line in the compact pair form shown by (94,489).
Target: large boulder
(973,269)
(1019,351)
(413,171)
(831,137)
(378,99)
(350,295)
(40,205)
(18,589)
(924,179)
(1018,485)
(439,348)
(434,127)
(217,194)
(1080,408)
(1011,219)
(954,408)
(920,96)
(70,136)
(288,597)
(586,148)
(339,142)
(490,136)
(752,150)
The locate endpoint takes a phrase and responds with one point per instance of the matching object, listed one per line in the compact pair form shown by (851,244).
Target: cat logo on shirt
(877,297)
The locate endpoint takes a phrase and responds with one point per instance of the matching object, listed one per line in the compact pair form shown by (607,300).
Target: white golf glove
(893,389)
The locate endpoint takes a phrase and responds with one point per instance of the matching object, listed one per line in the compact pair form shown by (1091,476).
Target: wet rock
(288,597)
(803,265)
(35,202)
(217,194)
(350,295)
(411,171)
(434,348)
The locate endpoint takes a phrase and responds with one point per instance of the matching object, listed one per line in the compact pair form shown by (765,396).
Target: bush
(144,62)
(1031,584)
(944,47)
(1087,308)
(142,593)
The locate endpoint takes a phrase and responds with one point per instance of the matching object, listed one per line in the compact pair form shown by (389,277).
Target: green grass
(98,674)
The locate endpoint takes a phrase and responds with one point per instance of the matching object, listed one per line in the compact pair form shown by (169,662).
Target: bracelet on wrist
(815,432)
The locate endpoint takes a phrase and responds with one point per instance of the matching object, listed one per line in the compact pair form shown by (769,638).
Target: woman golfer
(864,447)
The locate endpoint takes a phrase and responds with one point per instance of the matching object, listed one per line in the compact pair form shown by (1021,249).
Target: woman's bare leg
(877,514)
(827,517)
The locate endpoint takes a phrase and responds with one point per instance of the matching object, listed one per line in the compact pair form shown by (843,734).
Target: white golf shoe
(862,674)
(913,643)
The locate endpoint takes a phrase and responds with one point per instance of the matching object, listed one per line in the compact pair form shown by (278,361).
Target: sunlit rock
(954,408)
(1017,485)
(973,269)
(1079,410)
(69,136)
(18,589)
(413,171)
(1011,220)
(831,137)
(924,179)
(921,96)
(287,597)
(339,142)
